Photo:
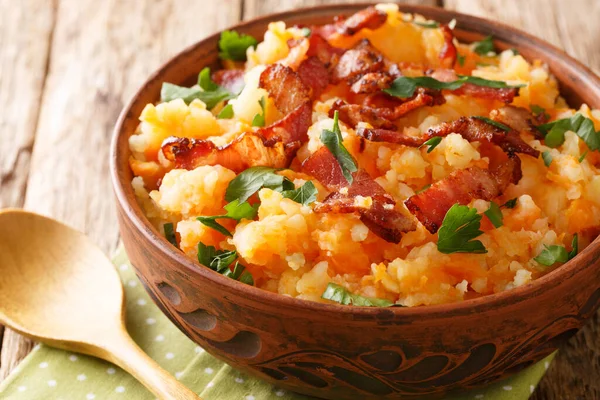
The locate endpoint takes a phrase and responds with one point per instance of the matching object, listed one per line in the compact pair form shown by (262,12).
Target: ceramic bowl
(341,352)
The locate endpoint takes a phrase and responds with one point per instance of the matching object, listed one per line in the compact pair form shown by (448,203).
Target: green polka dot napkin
(52,374)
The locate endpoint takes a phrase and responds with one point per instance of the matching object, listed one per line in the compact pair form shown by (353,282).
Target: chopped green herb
(334,142)
(207,91)
(459,228)
(259,119)
(170,233)
(305,194)
(405,87)
(485,46)
(495,215)
(340,294)
(510,203)
(460,59)
(233,45)
(432,143)
(547,157)
(554,253)
(226,112)
(235,210)
(220,261)
(252,180)
(537,110)
(306,32)
(515,51)
(582,126)
(427,24)
(493,123)
(582,157)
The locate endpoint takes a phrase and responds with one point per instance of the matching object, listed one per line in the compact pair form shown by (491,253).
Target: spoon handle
(125,353)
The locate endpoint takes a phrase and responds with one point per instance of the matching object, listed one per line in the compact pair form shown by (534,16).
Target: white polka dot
(22,388)
(210,384)
(44,365)
(170,356)
(159,338)
(479,396)
(73,357)
(239,380)
(111,371)
(531,389)
(141,302)
(208,371)
(120,389)
(124,267)
(507,388)
(90,396)
(52,383)
(249,397)
(132,283)
(279,393)
(81,377)
(199,349)
(546,365)
(150,321)
(178,374)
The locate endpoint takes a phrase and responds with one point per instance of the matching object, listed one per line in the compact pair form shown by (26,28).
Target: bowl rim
(464,307)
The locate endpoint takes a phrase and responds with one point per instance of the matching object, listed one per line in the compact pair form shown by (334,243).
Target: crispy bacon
(448,53)
(352,114)
(369,18)
(274,145)
(460,187)
(320,48)
(520,119)
(356,62)
(381,218)
(314,75)
(505,95)
(476,130)
(230,79)
(389,136)
(372,82)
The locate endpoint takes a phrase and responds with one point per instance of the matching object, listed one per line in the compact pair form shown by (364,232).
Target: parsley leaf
(334,142)
(170,233)
(582,157)
(252,180)
(220,261)
(461,225)
(495,215)
(432,143)
(305,194)
(554,253)
(537,110)
(207,91)
(460,59)
(582,126)
(259,119)
(235,210)
(428,24)
(485,46)
(233,45)
(510,203)
(340,294)
(405,86)
(547,157)
(226,112)
(493,123)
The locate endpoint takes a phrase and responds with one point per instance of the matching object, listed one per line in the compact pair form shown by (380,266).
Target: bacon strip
(320,48)
(448,53)
(389,136)
(520,119)
(476,130)
(505,95)
(356,62)
(372,82)
(381,218)
(314,75)
(352,114)
(274,145)
(369,18)
(230,79)
(460,187)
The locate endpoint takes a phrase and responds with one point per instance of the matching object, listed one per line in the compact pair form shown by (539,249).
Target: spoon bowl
(57,287)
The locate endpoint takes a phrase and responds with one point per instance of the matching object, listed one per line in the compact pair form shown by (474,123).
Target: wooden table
(68,66)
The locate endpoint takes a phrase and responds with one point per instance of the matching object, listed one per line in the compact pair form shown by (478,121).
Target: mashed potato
(292,249)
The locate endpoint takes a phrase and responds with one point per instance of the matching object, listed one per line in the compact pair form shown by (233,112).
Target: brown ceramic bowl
(346,352)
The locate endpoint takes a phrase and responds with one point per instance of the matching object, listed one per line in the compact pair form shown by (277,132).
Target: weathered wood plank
(254,8)
(25,32)
(101,52)
(575,371)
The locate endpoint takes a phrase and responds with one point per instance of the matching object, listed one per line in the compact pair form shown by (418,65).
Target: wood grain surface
(68,66)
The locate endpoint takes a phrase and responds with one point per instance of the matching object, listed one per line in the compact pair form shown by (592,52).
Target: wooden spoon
(57,287)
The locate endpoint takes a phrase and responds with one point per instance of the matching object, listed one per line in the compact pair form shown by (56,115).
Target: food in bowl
(374,161)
